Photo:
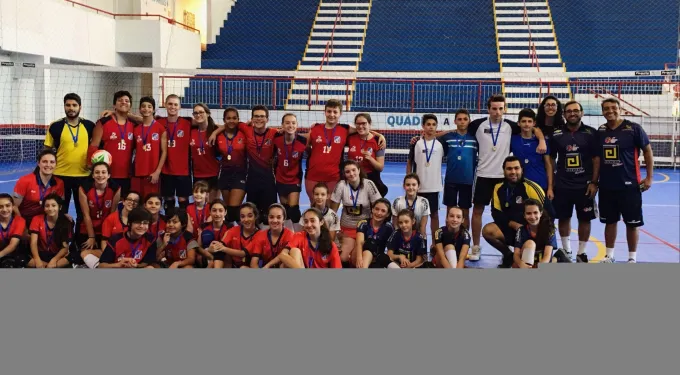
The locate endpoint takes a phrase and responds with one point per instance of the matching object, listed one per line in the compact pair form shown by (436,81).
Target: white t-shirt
(431,178)
(355,211)
(331,219)
(421,209)
(490,164)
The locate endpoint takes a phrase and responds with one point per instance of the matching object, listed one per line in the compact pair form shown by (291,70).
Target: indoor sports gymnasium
(396,60)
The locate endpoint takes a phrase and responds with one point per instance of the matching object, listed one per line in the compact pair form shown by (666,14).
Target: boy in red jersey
(135,248)
(177,248)
(175,177)
(289,148)
(12,228)
(119,221)
(153,203)
(115,134)
(326,146)
(151,149)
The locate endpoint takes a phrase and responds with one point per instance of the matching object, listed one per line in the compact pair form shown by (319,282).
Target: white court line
(8,181)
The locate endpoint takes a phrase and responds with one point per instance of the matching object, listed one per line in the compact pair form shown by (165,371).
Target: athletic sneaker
(562,257)
(582,258)
(631,260)
(475,253)
(608,259)
(569,254)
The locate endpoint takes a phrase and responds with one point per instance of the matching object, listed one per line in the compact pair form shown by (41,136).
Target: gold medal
(460,158)
(493,148)
(507,204)
(427,164)
(228,157)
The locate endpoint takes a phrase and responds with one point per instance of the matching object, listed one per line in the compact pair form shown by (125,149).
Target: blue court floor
(659,237)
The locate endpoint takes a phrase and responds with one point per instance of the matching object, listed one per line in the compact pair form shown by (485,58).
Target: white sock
(528,256)
(610,252)
(632,255)
(452,258)
(91,261)
(566,244)
(393,266)
(582,247)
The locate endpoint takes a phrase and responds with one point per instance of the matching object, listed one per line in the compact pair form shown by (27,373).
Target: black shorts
(377,180)
(482,190)
(616,203)
(179,186)
(566,199)
(230,181)
(508,234)
(457,195)
(433,200)
(124,184)
(46,256)
(262,193)
(211,181)
(285,189)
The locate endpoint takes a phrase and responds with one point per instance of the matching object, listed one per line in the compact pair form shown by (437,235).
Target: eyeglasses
(573,112)
(133,201)
(554,105)
(198,113)
(143,223)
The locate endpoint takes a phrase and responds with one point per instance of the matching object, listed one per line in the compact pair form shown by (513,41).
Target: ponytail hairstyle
(211,123)
(387,203)
(325,244)
(409,213)
(62,228)
(280,207)
(230,109)
(546,228)
(362,174)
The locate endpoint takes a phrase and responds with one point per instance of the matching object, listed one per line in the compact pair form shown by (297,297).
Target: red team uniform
(262,247)
(204,162)
(288,167)
(357,145)
(325,155)
(120,246)
(234,166)
(235,239)
(147,156)
(177,249)
(260,184)
(198,217)
(99,205)
(313,258)
(15,229)
(176,177)
(113,225)
(47,245)
(32,190)
(157,228)
(118,140)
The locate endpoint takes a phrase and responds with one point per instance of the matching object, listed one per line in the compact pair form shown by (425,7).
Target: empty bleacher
(430,36)
(626,35)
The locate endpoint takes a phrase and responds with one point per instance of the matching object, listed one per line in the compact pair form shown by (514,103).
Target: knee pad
(293,213)
(233,214)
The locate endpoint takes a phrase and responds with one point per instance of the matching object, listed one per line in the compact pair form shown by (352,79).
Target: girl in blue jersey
(451,242)
(535,241)
(406,248)
(372,237)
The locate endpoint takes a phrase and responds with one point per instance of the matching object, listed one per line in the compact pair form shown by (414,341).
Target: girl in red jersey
(50,235)
(326,147)
(232,251)
(211,233)
(363,147)
(289,147)
(177,248)
(267,244)
(372,236)
(118,222)
(204,163)
(151,149)
(115,134)
(451,242)
(31,189)
(12,228)
(232,146)
(135,248)
(312,248)
(199,210)
(99,197)
(153,203)
(356,193)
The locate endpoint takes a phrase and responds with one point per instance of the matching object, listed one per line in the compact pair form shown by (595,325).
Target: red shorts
(349,232)
(143,186)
